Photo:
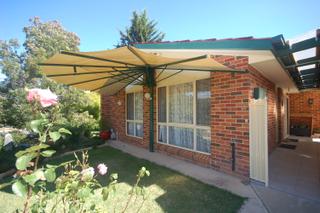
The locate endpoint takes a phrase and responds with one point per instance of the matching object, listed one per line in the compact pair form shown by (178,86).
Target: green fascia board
(257,44)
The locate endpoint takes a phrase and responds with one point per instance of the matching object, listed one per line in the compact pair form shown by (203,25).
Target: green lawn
(169,191)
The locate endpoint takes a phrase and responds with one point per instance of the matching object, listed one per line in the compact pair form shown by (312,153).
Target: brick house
(229,121)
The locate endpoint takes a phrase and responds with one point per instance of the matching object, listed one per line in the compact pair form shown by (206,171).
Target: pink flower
(102,169)
(44,96)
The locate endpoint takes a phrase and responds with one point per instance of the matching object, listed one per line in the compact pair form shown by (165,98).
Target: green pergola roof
(304,71)
(284,53)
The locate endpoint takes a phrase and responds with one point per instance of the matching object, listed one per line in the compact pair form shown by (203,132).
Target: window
(135,114)
(184,115)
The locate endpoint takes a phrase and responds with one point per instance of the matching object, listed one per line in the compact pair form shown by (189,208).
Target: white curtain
(138,105)
(182,137)
(181,103)
(162,133)
(203,102)
(203,140)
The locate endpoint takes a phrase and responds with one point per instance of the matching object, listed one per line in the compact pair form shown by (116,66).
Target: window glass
(203,102)
(135,114)
(162,133)
(138,106)
(182,129)
(162,104)
(139,130)
(182,137)
(130,106)
(130,128)
(203,140)
(181,103)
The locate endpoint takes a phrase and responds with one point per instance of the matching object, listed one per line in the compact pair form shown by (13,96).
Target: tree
(43,40)
(141,30)
(11,64)
(19,64)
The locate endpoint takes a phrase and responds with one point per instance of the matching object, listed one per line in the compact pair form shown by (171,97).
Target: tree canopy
(19,64)
(141,30)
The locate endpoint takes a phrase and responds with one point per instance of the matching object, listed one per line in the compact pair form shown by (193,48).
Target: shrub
(1,142)
(76,189)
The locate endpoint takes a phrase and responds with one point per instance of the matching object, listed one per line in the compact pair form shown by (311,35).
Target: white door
(258,122)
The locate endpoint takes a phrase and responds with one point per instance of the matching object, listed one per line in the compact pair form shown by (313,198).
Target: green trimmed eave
(235,44)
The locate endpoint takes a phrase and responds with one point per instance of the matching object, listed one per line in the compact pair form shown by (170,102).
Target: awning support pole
(150,80)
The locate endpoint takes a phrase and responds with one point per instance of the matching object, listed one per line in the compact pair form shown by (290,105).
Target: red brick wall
(230,95)
(299,106)
(230,113)
(114,115)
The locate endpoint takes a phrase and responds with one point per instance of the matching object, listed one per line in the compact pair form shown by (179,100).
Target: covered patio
(297,171)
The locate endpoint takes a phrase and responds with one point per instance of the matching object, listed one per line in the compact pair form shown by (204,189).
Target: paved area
(209,176)
(280,202)
(297,171)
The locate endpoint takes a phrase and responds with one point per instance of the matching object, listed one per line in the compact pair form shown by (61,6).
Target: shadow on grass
(172,191)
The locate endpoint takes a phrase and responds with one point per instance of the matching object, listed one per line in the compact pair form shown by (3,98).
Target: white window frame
(133,121)
(168,124)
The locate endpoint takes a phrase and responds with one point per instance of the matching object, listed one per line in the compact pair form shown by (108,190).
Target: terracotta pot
(105,134)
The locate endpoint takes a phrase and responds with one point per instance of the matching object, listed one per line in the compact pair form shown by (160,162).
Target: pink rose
(102,169)
(44,96)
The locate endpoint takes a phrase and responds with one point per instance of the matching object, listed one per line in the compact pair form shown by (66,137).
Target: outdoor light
(147,96)
(119,103)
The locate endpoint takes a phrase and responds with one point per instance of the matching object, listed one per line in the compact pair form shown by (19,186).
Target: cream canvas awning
(111,70)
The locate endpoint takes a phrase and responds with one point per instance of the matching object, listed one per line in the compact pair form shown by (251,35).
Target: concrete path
(296,171)
(279,201)
(206,175)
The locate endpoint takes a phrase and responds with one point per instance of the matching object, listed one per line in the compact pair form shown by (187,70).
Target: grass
(169,191)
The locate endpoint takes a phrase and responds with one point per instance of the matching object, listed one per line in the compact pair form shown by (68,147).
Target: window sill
(134,136)
(179,147)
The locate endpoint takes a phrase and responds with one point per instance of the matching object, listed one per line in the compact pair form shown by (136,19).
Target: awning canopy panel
(111,70)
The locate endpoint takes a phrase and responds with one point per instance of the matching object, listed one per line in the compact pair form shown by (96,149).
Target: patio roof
(301,57)
(111,70)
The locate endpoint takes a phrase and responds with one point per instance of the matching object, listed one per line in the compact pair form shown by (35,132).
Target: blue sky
(98,22)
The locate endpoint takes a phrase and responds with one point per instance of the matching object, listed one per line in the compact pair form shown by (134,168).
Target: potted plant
(105,131)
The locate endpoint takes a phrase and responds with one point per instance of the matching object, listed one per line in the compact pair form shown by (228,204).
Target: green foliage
(43,40)
(1,142)
(140,30)
(11,64)
(16,109)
